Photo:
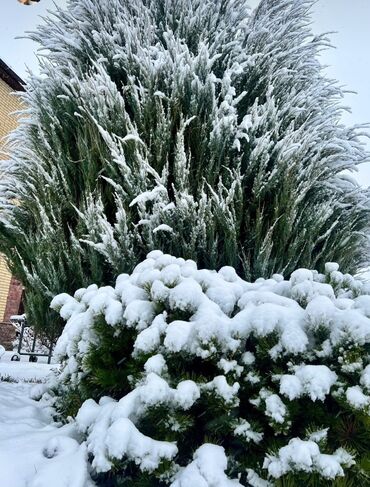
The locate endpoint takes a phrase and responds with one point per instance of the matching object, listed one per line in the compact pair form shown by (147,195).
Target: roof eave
(10,77)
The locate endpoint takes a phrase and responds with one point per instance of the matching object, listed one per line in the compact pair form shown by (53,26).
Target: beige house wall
(8,121)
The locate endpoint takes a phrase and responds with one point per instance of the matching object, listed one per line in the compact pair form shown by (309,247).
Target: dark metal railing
(22,320)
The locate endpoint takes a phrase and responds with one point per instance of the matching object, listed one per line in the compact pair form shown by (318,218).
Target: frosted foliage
(245,429)
(275,408)
(206,470)
(305,456)
(365,377)
(314,380)
(267,310)
(200,128)
(356,398)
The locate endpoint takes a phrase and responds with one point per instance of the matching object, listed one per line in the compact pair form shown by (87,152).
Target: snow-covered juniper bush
(197,127)
(194,378)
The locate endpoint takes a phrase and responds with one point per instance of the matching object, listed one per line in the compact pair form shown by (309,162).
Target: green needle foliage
(196,127)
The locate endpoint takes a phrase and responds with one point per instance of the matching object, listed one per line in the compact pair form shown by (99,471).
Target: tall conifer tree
(196,127)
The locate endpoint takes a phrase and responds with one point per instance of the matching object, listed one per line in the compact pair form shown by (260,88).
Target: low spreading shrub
(185,377)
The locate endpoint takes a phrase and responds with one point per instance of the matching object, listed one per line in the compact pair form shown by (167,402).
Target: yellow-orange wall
(8,121)
(5,278)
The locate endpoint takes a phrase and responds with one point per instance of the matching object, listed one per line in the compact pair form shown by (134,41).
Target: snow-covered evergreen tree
(190,378)
(193,126)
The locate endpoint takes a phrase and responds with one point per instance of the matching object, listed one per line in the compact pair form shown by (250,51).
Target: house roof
(10,77)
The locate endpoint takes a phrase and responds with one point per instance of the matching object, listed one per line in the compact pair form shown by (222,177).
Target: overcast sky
(348,63)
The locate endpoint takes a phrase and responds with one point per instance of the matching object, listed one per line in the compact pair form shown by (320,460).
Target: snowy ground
(24,370)
(34,450)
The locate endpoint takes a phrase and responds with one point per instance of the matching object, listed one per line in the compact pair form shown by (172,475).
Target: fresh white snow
(305,456)
(35,451)
(24,371)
